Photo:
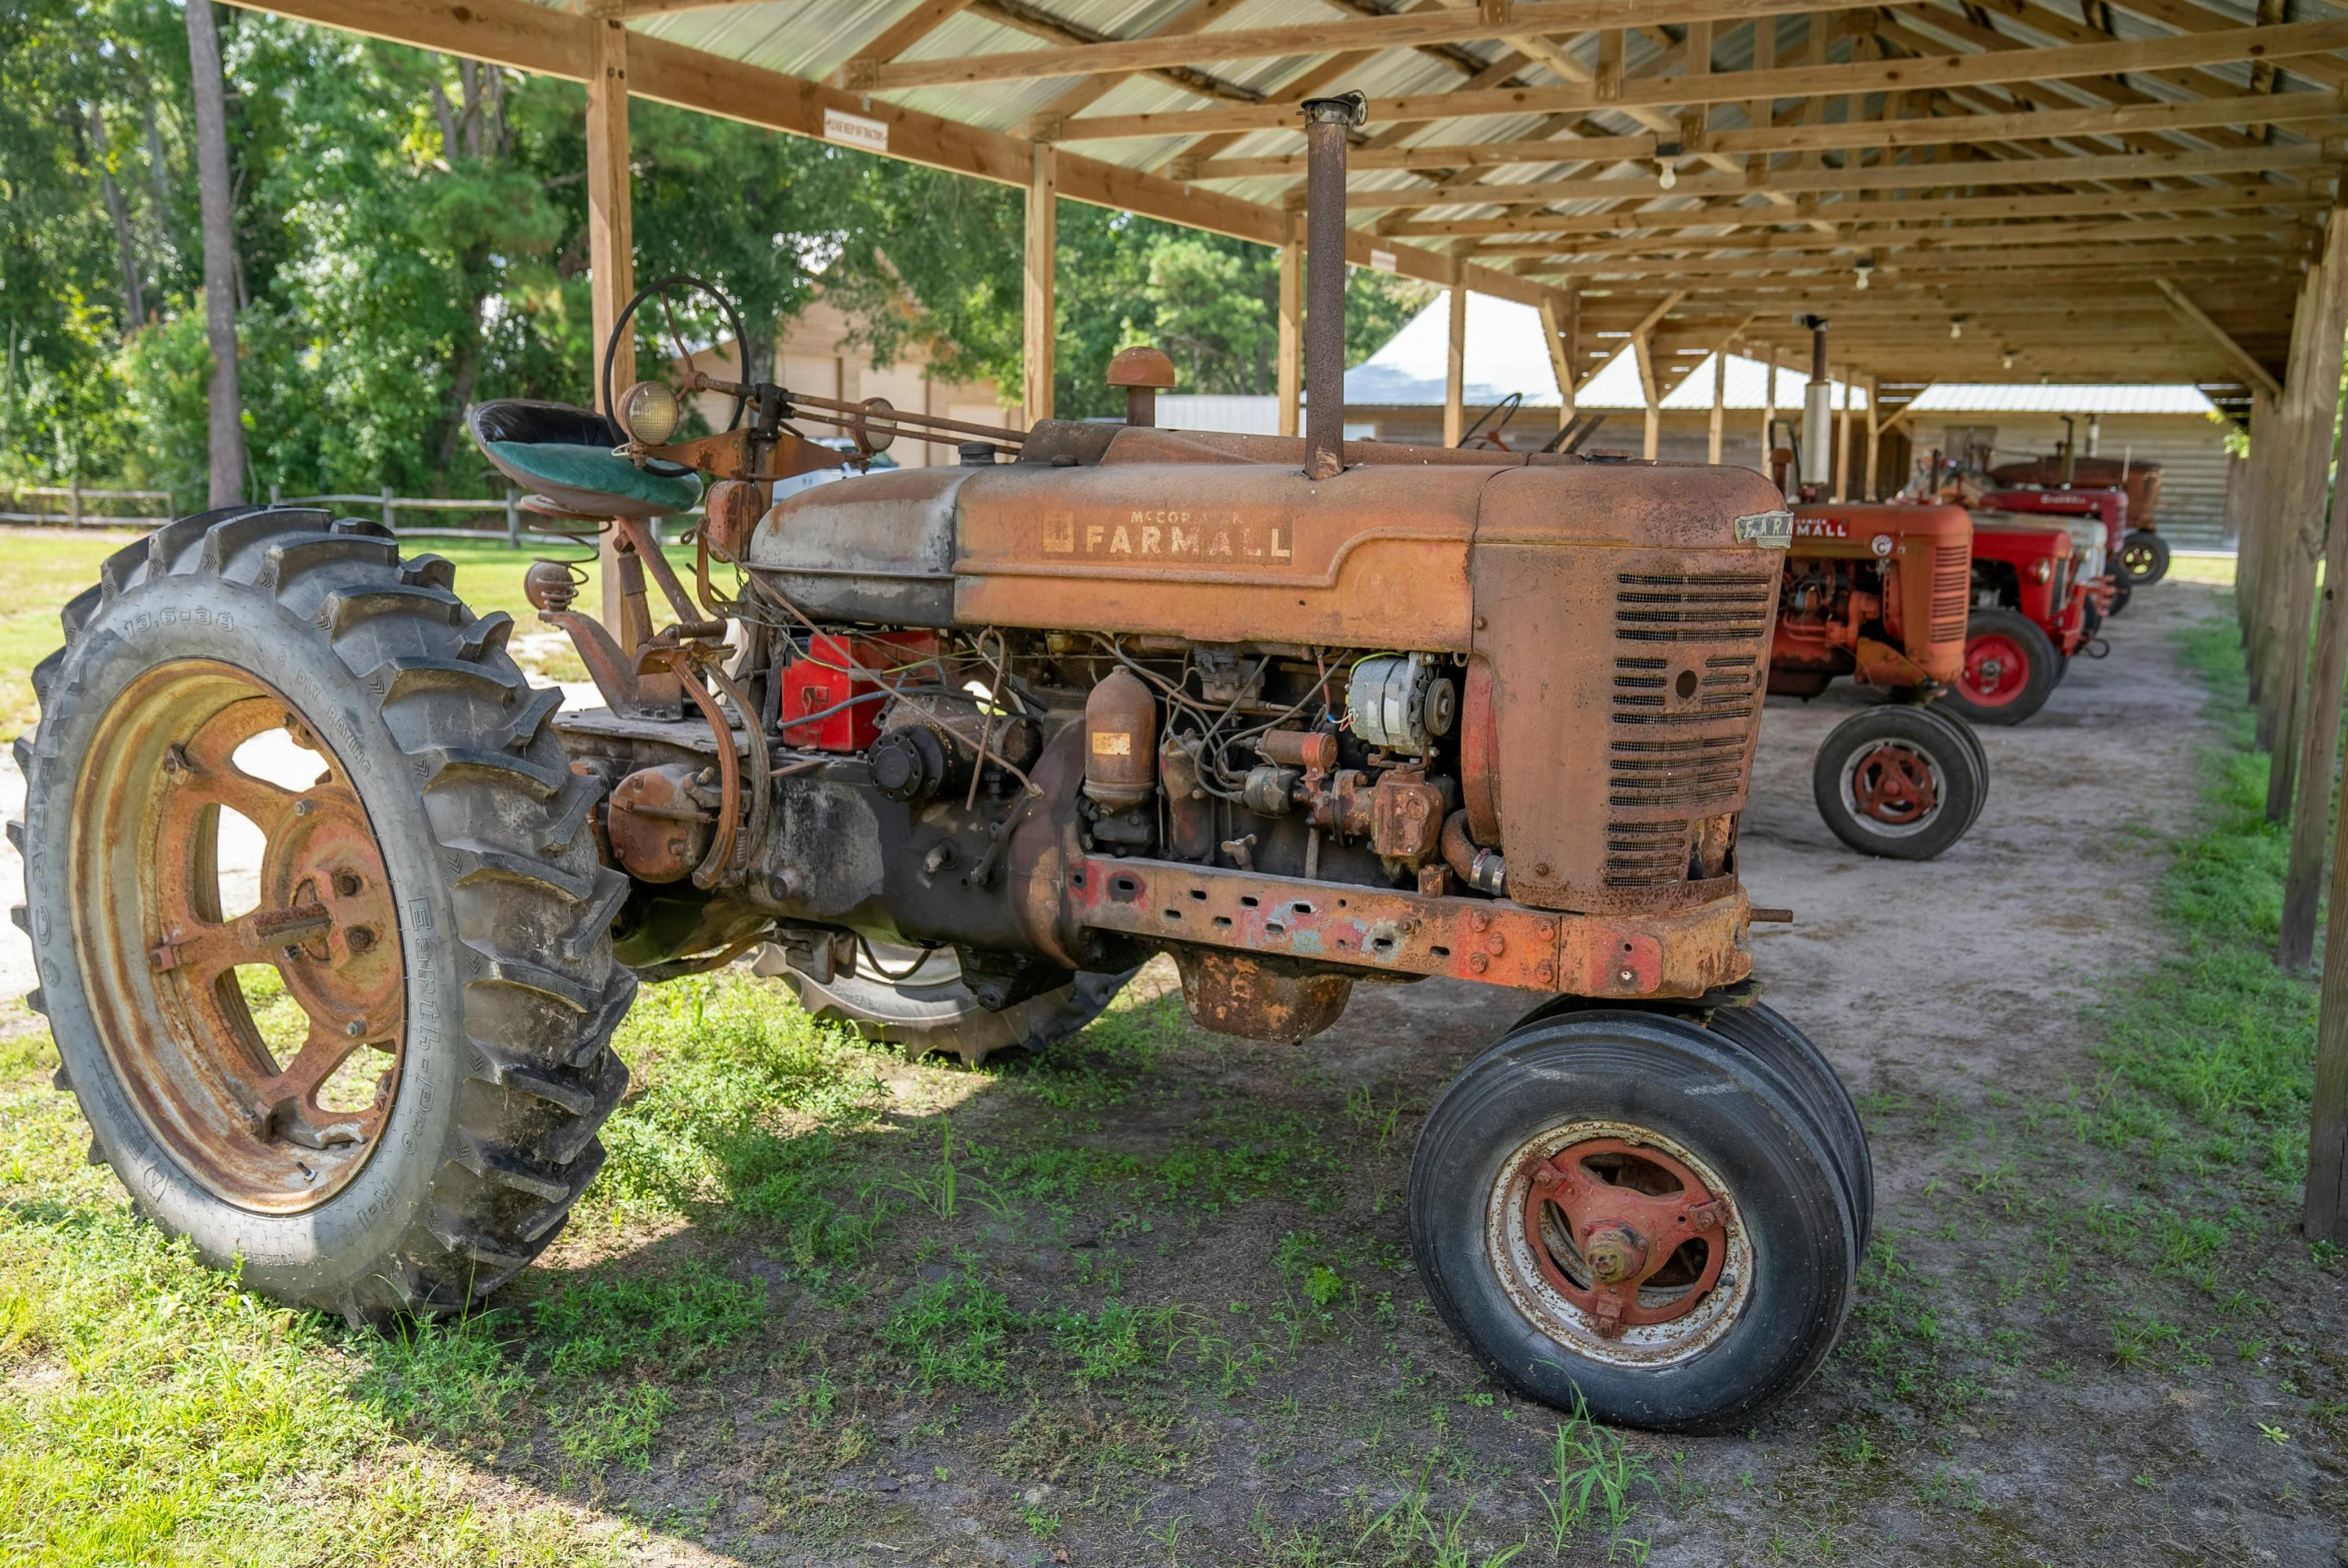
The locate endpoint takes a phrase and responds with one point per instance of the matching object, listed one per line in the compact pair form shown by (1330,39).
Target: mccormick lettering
(1195,536)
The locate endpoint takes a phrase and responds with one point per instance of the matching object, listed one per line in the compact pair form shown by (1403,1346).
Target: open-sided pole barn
(2126,190)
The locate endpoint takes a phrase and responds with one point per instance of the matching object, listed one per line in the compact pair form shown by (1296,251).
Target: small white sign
(1381,261)
(855,130)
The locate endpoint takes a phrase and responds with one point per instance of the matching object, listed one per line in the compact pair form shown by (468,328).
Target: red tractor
(1879,593)
(2038,599)
(2141,553)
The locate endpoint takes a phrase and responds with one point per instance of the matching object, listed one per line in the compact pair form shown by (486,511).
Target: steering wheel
(1506,410)
(660,286)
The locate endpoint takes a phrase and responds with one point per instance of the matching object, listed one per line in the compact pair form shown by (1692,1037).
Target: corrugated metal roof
(1989,397)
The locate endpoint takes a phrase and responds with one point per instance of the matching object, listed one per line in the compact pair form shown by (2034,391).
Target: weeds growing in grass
(1595,1477)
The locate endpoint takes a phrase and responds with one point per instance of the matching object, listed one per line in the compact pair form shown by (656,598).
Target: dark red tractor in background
(1881,593)
(2139,553)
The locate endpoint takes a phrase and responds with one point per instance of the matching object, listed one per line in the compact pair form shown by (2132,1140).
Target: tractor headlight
(649,413)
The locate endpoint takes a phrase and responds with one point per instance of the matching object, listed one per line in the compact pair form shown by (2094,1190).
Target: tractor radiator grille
(1689,668)
(1692,607)
(1680,775)
(1952,592)
(1647,855)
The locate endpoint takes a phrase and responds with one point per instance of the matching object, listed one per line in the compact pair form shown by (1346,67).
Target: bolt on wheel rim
(272,1108)
(1619,1243)
(1893,787)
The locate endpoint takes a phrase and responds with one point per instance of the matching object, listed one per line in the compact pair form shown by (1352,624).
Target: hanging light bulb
(1866,267)
(2006,359)
(1668,177)
(1956,328)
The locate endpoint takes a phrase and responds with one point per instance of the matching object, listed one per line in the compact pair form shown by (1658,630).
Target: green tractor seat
(566,454)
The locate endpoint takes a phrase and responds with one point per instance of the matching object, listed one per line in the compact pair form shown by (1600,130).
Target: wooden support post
(2319,742)
(611,254)
(1456,362)
(1719,405)
(1041,331)
(1842,441)
(1560,358)
(1652,438)
(1291,344)
(2250,538)
(1768,368)
(2273,554)
(1870,485)
(2320,399)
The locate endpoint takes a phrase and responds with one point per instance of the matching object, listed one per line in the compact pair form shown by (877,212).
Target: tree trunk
(220,284)
(134,305)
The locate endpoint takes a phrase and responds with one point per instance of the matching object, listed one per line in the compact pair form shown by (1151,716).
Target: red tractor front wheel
(2010,668)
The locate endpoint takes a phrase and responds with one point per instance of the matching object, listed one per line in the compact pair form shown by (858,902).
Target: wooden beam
(1039,298)
(1891,240)
(2319,744)
(2191,198)
(2282,108)
(1434,26)
(1868,484)
(1912,177)
(2145,261)
(2220,339)
(1858,78)
(907,31)
(622,10)
(611,258)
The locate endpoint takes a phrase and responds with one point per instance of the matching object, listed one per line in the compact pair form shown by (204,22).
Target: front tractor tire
(930,1011)
(1899,781)
(1628,1209)
(378,1090)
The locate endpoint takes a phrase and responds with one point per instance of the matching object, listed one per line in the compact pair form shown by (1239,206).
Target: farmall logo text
(1189,535)
(1820,528)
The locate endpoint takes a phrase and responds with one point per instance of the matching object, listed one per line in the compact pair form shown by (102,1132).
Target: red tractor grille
(1647,693)
(1952,592)
(1647,855)
(1692,607)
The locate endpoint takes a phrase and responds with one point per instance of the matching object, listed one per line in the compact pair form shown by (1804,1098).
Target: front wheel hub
(1619,1243)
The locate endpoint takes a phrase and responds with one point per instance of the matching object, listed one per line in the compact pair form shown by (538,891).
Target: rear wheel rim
(275,1114)
(1619,1243)
(1997,669)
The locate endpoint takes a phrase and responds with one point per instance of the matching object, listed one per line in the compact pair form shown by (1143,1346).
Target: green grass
(2216,1043)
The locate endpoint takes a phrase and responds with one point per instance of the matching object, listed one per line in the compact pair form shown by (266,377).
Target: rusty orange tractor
(963,747)
(1880,594)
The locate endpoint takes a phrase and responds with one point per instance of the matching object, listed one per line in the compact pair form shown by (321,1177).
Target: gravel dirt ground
(2030,1375)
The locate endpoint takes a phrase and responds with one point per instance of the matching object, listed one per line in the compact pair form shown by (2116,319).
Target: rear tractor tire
(2010,668)
(1899,781)
(1628,1209)
(932,1013)
(378,1090)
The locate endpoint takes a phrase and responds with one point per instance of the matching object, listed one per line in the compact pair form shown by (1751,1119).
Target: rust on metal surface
(1683,953)
(1120,742)
(730,513)
(245,1119)
(1619,1234)
(1235,993)
(1893,783)
(655,826)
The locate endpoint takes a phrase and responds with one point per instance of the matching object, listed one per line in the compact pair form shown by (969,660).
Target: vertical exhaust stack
(1817,408)
(1326,120)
